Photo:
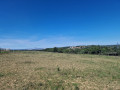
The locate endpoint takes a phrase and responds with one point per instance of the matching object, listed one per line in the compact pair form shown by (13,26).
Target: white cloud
(44,43)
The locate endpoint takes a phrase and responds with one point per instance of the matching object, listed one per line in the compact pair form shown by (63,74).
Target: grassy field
(34,70)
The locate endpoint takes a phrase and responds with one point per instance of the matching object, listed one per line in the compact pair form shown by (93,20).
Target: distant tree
(60,50)
(55,49)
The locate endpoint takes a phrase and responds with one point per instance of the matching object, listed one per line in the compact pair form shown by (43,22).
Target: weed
(40,68)
(28,62)
(58,69)
(1,74)
(75,86)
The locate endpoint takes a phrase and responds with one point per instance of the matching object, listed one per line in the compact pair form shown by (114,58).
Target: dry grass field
(34,70)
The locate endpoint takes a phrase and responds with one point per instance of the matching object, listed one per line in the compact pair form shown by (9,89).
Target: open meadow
(37,70)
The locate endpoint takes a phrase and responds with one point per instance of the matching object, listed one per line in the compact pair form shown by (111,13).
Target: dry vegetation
(30,70)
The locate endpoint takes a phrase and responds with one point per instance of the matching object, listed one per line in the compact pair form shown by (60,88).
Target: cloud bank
(44,43)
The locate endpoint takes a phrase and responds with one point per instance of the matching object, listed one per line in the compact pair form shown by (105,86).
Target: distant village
(77,47)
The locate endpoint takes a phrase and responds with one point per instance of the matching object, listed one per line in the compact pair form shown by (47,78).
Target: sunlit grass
(34,70)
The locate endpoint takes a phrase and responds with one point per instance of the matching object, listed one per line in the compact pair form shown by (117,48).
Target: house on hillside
(77,47)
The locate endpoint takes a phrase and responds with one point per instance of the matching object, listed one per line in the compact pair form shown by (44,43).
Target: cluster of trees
(93,49)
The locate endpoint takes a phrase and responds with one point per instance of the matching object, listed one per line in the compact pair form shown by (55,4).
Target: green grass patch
(1,75)
(40,68)
(29,62)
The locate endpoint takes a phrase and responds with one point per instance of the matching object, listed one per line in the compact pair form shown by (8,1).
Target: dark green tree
(55,49)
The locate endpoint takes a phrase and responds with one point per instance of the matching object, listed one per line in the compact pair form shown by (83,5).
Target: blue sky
(50,23)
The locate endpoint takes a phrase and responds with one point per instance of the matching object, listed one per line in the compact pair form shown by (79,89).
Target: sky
(58,23)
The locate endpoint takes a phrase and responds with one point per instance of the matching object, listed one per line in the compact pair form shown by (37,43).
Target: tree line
(92,49)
